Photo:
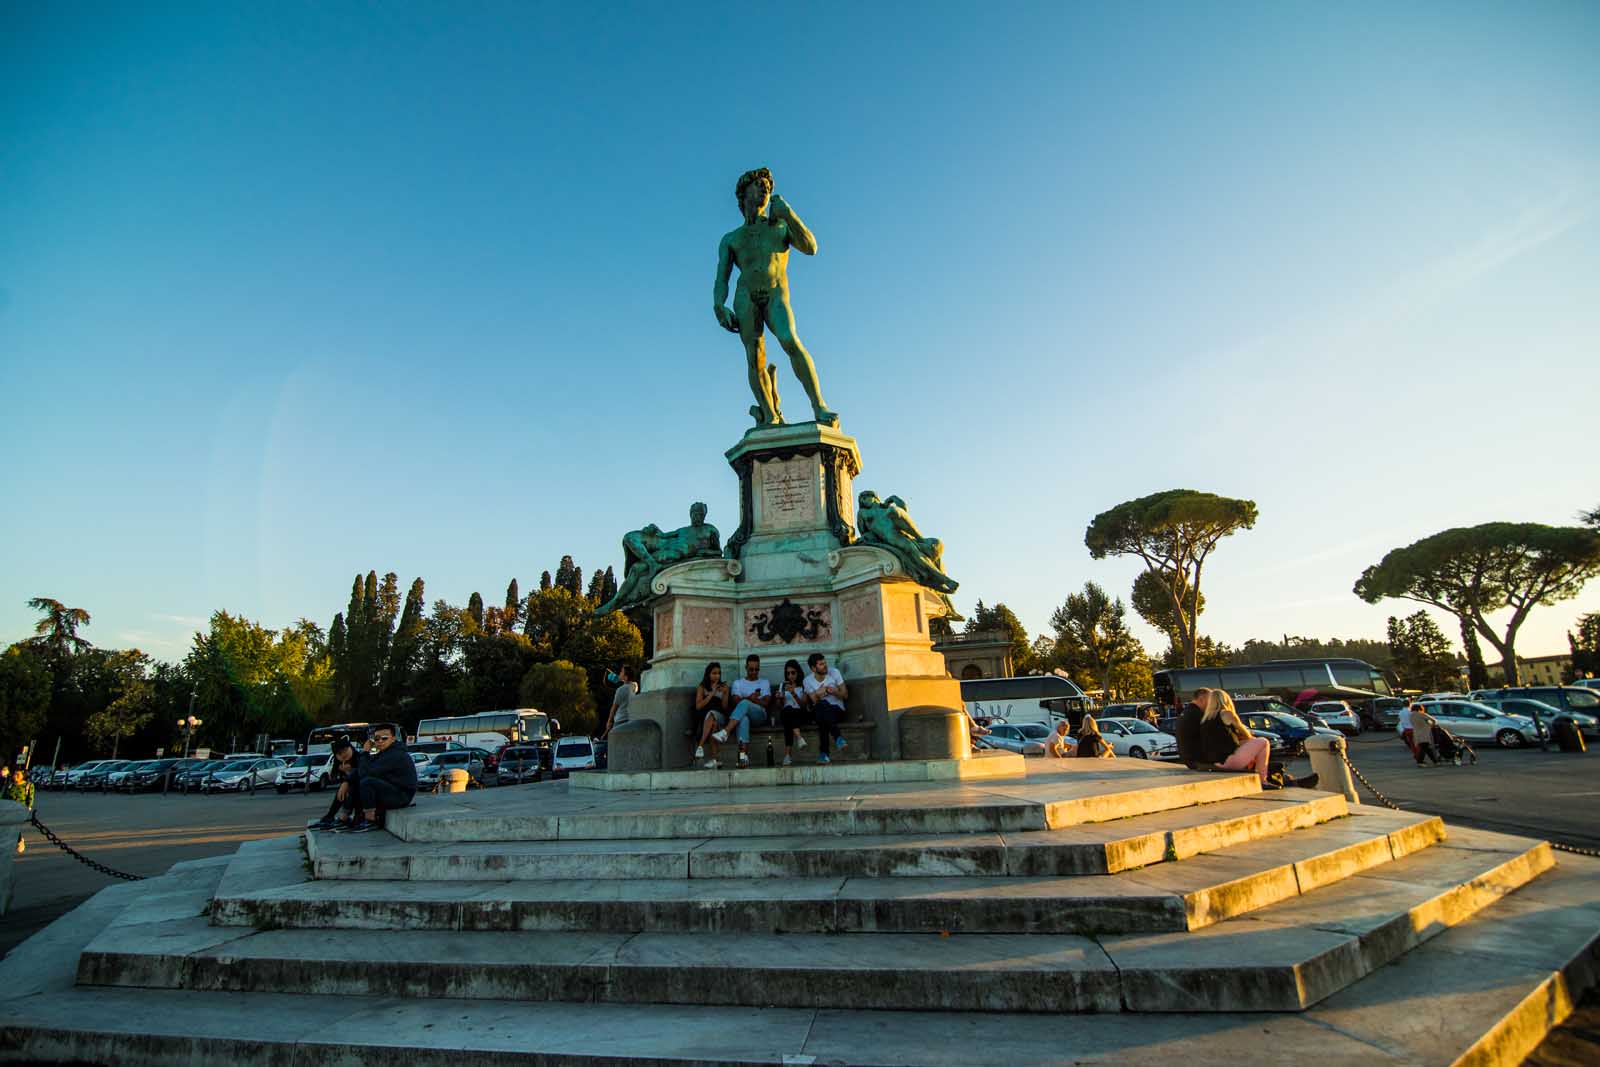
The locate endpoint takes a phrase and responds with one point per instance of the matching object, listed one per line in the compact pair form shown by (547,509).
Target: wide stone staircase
(989,911)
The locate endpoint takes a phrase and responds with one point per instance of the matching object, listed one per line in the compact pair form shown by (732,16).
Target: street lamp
(187,724)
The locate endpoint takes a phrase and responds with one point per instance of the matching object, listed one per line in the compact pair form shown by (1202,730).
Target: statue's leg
(765,410)
(781,318)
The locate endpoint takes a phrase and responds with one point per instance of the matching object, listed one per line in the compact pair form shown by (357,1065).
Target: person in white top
(754,696)
(826,691)
(791,701)
(1403,724)
(1061,742)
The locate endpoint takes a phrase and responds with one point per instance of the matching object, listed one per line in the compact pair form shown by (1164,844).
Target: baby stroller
(1451,748)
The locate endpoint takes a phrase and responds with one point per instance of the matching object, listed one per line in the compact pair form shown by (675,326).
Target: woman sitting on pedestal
(792,709)
(1091,743)
(1228,742)
(711,701)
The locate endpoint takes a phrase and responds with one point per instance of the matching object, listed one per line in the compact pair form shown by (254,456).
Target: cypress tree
(597,584)
(475,609)
(1477,672)
(404,648)
(336,656)
(608,588)
(513,608)
(567,576)
(544,582)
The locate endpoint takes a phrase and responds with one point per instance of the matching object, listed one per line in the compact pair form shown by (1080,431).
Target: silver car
(1028,738)
(1339,715)
(1480,722)
(243,774)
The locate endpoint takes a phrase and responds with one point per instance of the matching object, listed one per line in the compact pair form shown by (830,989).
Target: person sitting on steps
(754,696)
(344,765)
(1221,729)
(711,702)
(1061,742)
(385,779)
(1091,743)
(791,698)
(826,692)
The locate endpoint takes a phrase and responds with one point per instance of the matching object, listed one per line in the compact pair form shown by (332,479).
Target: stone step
(1065,794)
(1169,896)
(1282,958)
(1098,848)
(988,765)
(1484,992)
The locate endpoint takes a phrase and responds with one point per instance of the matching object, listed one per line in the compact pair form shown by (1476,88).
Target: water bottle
(769,753)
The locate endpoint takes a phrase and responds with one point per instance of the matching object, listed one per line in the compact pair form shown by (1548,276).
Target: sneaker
(341,826)
(744,759)
(321,824)
(362,827)
(699,752)
(787,762)
(710,764)
(1308,782)
(799,739)
(841,744)
(824,758)
(720,736)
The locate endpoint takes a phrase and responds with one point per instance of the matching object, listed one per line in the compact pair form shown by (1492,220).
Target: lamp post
(187,725)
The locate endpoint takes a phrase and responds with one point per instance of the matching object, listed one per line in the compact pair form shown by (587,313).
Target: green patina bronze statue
(887,524)
(760,249)
(645,552)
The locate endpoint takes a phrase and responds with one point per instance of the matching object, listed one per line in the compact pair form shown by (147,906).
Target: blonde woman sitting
(1227,741)
(1091,745)
(1061,742)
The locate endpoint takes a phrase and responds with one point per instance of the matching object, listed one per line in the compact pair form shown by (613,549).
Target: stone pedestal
(795,582)
(13,821)
(634,745)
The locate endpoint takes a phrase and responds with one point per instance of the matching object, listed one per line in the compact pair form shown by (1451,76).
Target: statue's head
(867,499)
(753,192)
(697,513)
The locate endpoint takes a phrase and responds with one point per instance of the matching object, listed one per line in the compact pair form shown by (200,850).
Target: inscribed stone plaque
(790,497)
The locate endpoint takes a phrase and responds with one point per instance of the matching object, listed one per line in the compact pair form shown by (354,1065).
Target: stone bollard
(1328,764)
(455,781)
(13,824)
(934,733)
(634,745)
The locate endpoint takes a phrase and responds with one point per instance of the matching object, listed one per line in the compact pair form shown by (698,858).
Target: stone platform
(989,765)
(828,921)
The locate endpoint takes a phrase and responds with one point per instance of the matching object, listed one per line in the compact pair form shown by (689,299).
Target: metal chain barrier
(1386,802)
(33,818)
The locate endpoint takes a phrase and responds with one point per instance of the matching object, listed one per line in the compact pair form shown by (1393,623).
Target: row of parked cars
(250,771)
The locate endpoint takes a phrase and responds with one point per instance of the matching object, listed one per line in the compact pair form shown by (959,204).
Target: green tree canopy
(1001,619)
(24,696)
(1420,653)
(1092,632)
(58,630)
(1154,602)
(1173,532)
(1586,646)
(1474,571)
(560,689)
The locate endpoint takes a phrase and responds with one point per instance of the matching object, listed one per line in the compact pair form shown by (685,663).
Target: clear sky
(290,291)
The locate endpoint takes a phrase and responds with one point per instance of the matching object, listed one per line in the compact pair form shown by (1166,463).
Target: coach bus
(320,741)
(1030,698)
(490,730)
(1296,682)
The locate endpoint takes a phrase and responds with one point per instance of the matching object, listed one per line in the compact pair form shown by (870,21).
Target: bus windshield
(320,740)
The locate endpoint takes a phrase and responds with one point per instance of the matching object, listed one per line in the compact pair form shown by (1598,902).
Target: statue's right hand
(725,317)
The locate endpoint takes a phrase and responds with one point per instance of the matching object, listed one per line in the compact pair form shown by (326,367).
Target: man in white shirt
(754,696)
(1404,726)
(826,691)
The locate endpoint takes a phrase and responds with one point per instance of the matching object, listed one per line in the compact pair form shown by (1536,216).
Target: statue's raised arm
(760,249)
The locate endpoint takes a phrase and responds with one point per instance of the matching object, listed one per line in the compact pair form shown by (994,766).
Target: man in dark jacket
(385,779)
(1190,747)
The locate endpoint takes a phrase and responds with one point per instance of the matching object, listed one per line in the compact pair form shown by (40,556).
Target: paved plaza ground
(1552,795)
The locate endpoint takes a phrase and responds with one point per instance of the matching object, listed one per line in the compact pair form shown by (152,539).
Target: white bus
(490,730)
(1032,698)
(319,742)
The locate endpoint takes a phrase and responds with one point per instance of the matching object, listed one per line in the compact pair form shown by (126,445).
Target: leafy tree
(1590,518)
(244,678)
(1001,619)
(493,666)
(1208,652)
(1420,653)
(25,687)
(1154,601)
(133,706)
(1586,646)
(1258,650)
(438,672)
(562,625)
(1134,680)
(1474,571)
(1173,532)
(58,630)
(938,626)
(1092,632)
(561,690)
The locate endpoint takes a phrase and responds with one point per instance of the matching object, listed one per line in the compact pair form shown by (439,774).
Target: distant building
(984,654)
(1539,670)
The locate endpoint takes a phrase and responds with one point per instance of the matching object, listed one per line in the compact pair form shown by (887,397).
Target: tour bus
(1297,682)
(287,747)
(320,740)
(1031,698)
(491,730)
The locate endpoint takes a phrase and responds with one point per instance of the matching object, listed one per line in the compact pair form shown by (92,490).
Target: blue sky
(292,291)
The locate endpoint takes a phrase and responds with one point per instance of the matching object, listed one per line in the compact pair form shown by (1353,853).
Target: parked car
(1567,699)
(1382,713)
(190,778)
(1588,683)
(146,775)
(520,763)
(428,774)
(1267,715)
(75,776)
(118,779)
(1028,738)
(1140,709)
(318,767)
(238,775)
(1337,715)
(101,775)
(433,748)
(1137,738)
(491,762)
(1542,713)
(572,754)
(158,774)
(1479,722)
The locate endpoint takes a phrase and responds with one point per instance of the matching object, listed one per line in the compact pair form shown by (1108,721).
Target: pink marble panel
(860,616)
(903,616)
(664,630)
(707,627)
